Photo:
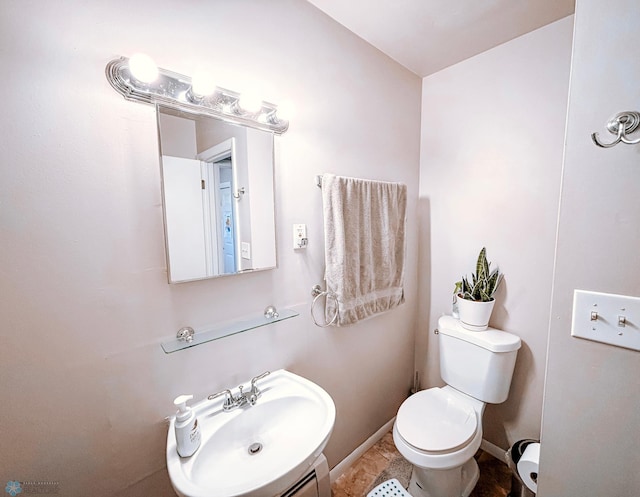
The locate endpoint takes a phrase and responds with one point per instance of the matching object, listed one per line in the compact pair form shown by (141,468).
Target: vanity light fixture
(180,92)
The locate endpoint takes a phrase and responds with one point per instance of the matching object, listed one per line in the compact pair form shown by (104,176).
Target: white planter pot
(475,316)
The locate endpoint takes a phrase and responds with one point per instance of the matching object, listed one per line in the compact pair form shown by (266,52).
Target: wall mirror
(218,196)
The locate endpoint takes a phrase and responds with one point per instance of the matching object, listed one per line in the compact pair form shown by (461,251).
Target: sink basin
(258,450)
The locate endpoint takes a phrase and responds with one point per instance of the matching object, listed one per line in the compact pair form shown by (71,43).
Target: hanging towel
(364,232)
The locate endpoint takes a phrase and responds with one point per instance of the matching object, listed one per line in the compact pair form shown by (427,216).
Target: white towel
(364,231)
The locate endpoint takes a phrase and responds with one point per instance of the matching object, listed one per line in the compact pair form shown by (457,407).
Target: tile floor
(380,461)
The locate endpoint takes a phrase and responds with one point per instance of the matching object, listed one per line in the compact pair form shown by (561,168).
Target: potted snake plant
(474,297)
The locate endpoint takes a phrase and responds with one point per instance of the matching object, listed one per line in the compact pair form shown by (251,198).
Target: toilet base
(454,482)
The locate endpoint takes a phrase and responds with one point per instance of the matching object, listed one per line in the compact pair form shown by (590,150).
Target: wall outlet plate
(606,318)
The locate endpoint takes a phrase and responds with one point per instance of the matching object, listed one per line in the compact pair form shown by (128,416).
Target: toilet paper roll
(528,466)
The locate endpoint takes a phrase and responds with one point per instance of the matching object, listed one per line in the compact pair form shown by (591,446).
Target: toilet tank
(477,363)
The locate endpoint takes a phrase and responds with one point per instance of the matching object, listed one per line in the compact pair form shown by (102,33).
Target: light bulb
(250,102)
(143,68)
(203,83)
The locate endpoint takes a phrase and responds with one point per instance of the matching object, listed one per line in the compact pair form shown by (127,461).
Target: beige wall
(591,416)
(85,304)
(491,156)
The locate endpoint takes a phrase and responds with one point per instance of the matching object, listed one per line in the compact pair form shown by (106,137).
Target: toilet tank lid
(490,339)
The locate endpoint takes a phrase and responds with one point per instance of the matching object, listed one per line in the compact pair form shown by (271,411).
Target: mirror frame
(237,193)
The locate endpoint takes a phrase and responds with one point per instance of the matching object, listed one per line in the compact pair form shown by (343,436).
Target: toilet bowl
(438,431)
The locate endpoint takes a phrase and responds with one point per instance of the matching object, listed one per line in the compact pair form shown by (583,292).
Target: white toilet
(440,429)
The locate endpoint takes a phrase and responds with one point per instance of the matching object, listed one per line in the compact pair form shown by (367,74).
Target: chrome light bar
(175,90)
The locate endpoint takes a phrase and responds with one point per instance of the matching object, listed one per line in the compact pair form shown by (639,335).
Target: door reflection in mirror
(218,199)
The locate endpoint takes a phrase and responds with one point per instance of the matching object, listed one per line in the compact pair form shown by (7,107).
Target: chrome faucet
(243,398)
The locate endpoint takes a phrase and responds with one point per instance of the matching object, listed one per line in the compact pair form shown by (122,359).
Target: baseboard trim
(342,467)
(497,452)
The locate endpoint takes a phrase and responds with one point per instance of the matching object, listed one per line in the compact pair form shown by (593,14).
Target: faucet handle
(229,401)
(254,390)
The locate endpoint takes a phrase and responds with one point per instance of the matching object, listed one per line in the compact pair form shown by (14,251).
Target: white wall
(84,383)
(491,156)
(591,417)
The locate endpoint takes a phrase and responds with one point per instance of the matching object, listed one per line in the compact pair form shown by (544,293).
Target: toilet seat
(435,421)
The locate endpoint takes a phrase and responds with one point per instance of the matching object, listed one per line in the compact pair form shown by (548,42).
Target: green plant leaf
(482,266)
(476,292)
(494,281)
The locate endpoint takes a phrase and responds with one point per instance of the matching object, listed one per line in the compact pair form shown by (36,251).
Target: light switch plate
(300,239)
(245,250)
(606,318)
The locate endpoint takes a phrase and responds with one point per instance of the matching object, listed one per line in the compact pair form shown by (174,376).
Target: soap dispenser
(187,430)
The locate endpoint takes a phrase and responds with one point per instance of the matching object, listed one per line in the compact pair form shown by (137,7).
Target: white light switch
(606,318)
(300,236)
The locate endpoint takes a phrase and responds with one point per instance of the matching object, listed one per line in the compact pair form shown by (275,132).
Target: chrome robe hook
(620,125)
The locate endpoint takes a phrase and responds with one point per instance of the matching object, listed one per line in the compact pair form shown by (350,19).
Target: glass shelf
(225,330)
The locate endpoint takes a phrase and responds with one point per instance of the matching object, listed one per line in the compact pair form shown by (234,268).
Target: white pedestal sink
(259,450)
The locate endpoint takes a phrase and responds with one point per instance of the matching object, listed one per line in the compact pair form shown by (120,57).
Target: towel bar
(316,293)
